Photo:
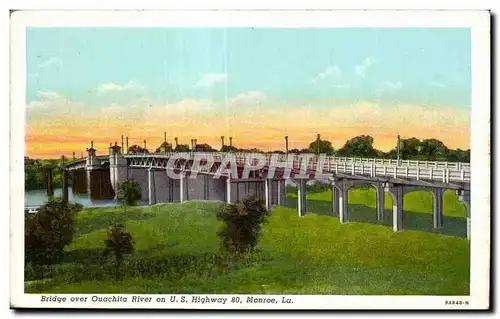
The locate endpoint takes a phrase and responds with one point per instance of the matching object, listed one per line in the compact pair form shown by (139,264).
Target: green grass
(417,208)
(178,251)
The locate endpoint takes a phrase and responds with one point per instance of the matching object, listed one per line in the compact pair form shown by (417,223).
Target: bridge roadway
(384,175)
(444,172)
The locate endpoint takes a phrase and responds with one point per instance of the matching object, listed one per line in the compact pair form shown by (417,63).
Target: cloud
(331,71)
(46,99)
(49,61)
(246,98)
(114,87)
(211,78)
(361,69)
(391,86)
(49,95)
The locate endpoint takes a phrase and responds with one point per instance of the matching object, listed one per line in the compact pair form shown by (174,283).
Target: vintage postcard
(250,159)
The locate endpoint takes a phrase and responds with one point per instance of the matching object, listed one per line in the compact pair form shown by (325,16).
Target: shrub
(49,230)
(119,243)
(242,224)
(129,192)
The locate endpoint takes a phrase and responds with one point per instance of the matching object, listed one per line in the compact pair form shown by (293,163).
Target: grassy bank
(178,251)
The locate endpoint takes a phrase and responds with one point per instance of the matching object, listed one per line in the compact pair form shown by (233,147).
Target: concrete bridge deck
(219,176)
(456,174)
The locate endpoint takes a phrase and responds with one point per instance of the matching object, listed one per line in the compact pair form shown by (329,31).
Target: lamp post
(317,144)
(398,147)
(222,141)
(286,144)
(164,142)
(176,142)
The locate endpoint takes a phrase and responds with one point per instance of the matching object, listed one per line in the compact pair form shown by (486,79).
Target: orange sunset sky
(254,85)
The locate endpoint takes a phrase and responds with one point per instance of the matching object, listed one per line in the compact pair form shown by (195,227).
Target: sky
(256,85)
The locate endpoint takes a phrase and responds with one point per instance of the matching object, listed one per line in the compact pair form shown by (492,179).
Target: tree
(227,148)
(204,148)
(119,243)
(49,230)
(433,150)
(164,147)
(459,155)
(129,192)
(325,147)
(182,148)
(359,146)
(242,224)
(136,149)
(410,148)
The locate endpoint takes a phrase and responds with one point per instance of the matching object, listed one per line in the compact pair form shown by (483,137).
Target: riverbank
(177,251)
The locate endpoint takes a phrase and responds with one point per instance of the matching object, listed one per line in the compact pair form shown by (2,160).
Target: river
(39,197)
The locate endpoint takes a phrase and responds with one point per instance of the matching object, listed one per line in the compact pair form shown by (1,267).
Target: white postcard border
(478,21)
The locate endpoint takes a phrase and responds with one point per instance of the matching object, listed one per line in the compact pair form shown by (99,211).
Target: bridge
(178,177)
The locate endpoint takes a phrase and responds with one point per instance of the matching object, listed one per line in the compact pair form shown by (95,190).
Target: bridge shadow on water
(452,226)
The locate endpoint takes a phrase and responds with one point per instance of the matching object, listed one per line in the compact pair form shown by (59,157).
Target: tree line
(359,146)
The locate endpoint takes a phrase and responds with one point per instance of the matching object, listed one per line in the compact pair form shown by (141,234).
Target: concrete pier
(464,198)
(437,212)
(301,195)
(396,191)
(380,203)
(335,201)
(151,187)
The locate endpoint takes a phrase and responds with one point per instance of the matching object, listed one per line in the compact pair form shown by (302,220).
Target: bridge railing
(440,171)
(283,157)
(386,168)
(441,174)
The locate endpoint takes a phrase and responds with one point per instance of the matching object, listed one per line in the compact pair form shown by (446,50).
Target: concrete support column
(65,185)
(205,187)
(397,194)
(283,193)
(301,196)
(279,182)
(267,192)
(437,211)
(464,197)
(151,186)
(182,186)
(228,189)
(380,204)
(343,205)
(89,183)
(335,201)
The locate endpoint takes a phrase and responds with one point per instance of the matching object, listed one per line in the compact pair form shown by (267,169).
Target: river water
(39,197)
